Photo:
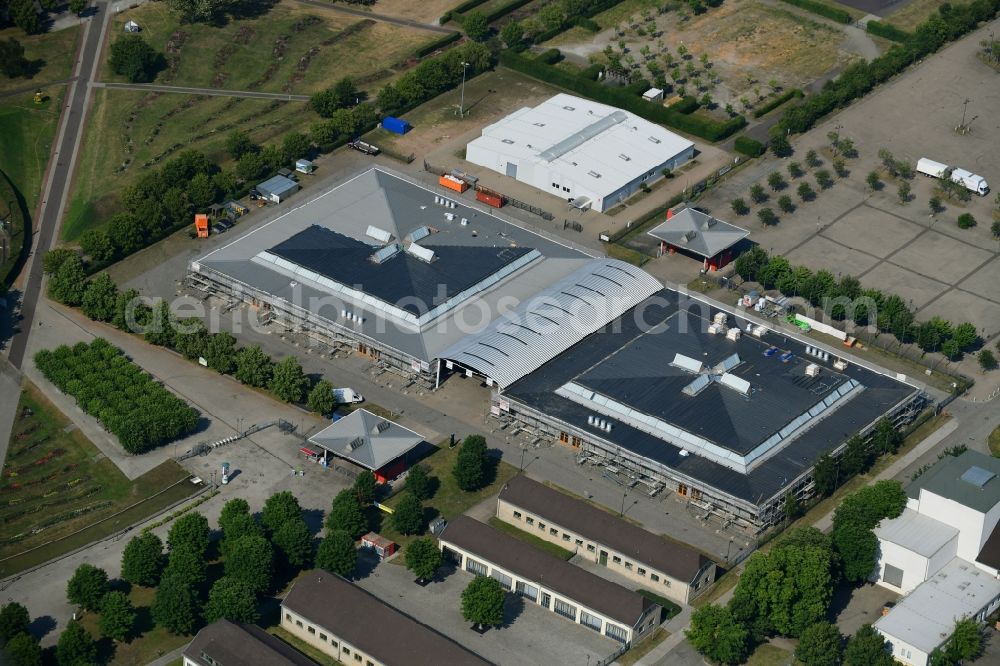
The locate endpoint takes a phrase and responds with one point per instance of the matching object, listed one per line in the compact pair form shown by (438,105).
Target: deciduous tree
(289,382)
(408,516)
(471,463)
(253,366)
(251,559)
(279,508)
(717,635)
(820,645)
(321,398)
(294,540)
(219,352)
(231,599)
(132,57)
(190,531)
(117,616)
(337,553)
(142,560)
(345,514)
(14,620)
(423,557)
(76,647)
(867,648)
(418,482)
(476,26)
(12,60)
(482,602)
(87,586)
(175,606)
(364,486)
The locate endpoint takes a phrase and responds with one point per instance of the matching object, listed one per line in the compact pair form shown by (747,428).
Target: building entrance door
(604,558)
(511,170)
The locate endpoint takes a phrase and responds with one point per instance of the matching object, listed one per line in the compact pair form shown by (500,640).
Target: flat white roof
(916,532)
(926,617)
(595,145)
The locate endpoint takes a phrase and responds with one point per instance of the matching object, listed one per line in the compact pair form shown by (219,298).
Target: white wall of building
(914,566)
(968,522)
(905,653)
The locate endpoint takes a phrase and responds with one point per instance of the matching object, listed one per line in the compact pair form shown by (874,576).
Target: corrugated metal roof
(559,317)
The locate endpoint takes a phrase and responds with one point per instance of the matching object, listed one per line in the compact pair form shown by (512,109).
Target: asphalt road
(215,92)
(60,174)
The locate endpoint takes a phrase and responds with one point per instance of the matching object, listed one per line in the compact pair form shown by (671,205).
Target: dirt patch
(736,53)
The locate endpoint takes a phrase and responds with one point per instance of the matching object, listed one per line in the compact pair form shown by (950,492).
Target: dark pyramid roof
(403,280)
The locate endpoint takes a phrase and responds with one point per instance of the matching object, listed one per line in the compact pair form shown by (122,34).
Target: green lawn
(644,648)
(51,55)
(528,537)
(448,500)
(26,133)
(769,655)
(291,48)
(56,484)
(131,132)
(994,442)
(670,609)
(150,641)
(320,658)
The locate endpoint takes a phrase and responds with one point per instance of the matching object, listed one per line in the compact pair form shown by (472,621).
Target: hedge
(775,102)
(505,9)
(437,44)
(858,79)
(888,31)
(550,57)
(586,23)
(749,146)
(18,221)
(583,20)
(675,116)
(823,9)
(462,8)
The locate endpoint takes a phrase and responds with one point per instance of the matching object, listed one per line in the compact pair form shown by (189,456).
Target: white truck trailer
(966,179)
(346,396)
(931,168)
(970,181)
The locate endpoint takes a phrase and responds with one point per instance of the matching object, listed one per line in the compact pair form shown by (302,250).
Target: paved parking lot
(529,636)
(945,271)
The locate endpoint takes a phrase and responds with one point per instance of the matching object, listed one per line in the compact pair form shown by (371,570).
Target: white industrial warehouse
(593,155)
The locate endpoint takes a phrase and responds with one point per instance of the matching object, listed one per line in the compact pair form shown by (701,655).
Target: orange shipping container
(201,225)
(453,183)
(490,198)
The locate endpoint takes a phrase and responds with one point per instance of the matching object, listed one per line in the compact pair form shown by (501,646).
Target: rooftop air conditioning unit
(720,318)
(812,370)
(733,334)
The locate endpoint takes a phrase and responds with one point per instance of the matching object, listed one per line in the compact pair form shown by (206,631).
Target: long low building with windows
(552,583)
(667,567)
(225,643)
(356,628)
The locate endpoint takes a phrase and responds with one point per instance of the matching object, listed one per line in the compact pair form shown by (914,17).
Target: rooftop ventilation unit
(711,222)
(654,139)
(684,453)
(812,370)
(386,253)
(381,235)
(380,427)
(840,365)
(734,334)
(720,318)
(686,363)
(625,157)
(355,444)
(594,174)
(735,383)
(421,253)
(715,329)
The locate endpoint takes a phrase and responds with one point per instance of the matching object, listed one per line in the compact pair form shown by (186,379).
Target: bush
(505,9)
(132,57)
(437,44)
(888,31)
(777,101)
(129,403)
(966,221)
(749,146)
(823,9)
(739,206)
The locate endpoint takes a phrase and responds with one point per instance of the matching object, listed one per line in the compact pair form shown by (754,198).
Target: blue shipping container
(396,125)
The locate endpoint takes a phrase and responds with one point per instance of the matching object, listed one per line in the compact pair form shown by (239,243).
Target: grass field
(51,55)
(635,654)
(770,655)
(994,442)
(26,133)
(56,483)
(132,131)
(670,609)
(528,537)
(150,641)
(912,14)
(448,500)
(320,658)
(291,48)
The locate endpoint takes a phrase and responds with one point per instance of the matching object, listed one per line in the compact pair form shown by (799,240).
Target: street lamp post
(461,104)
(965,105)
